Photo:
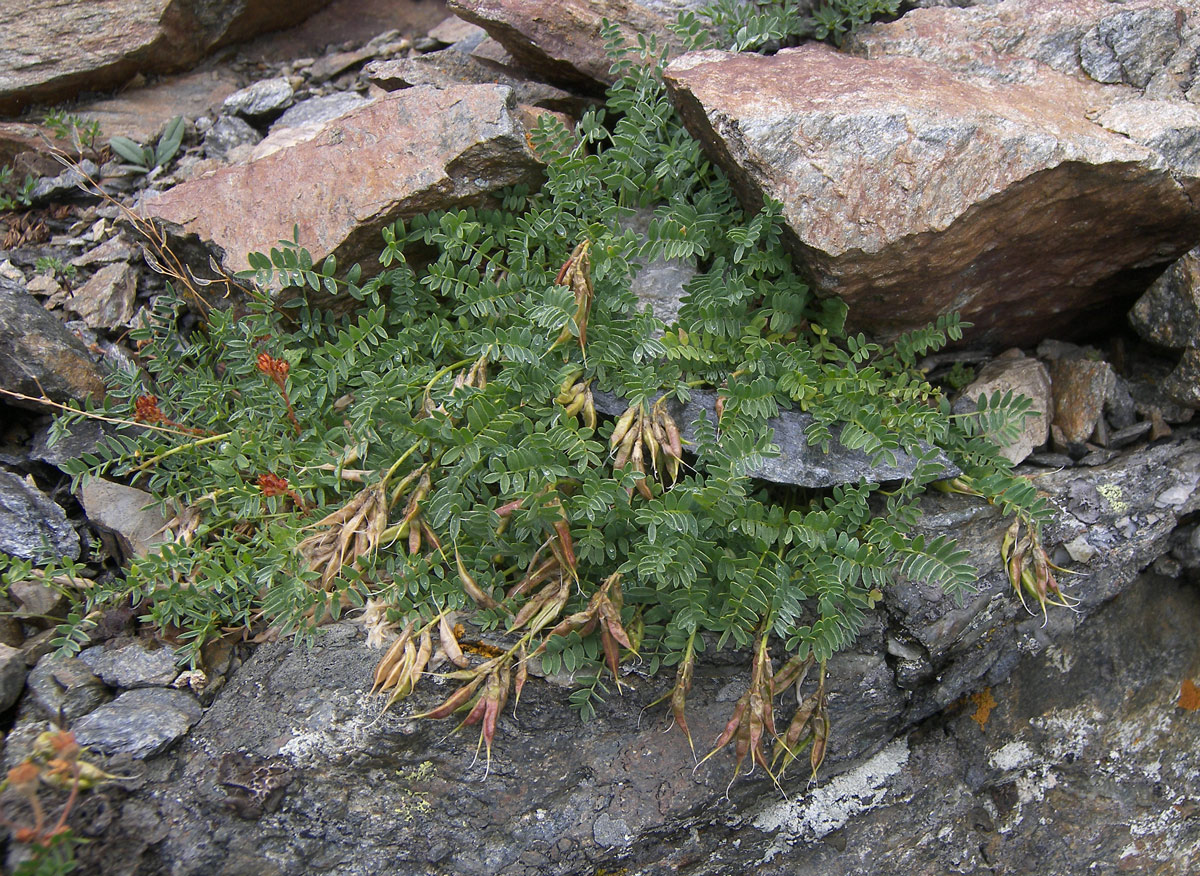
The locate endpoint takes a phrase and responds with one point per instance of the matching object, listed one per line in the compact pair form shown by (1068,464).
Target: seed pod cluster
(753,717)
(346,534)
(650,443)
(575,396)
(576,275)
(603,612)
(401,667)
(1030,570)
(809,724)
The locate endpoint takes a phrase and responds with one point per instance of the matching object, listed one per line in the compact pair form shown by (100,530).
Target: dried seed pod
(468,584)
(449,641)
(623,425)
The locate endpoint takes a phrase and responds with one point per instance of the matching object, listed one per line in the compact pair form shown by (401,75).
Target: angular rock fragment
(261,101)
(1168,315)
(127,512)
(131,663)
(12,675)
(1081,385)
(913,192)
(32,526)
(1020,375)
(107,299)
(318,110)
(404,154)
(141,723)
(66,687)
(38,354)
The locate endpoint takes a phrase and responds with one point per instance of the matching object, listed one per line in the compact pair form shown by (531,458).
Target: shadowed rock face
(52,49)
(911,192)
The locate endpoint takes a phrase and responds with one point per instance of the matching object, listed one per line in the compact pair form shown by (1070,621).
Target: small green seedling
(147,158)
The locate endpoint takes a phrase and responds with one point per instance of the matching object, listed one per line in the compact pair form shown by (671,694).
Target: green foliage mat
(439,451)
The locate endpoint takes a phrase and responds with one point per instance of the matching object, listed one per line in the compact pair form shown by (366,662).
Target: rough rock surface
(31,525)
(411,151)
(913,192)
(1020,375)
(1081,762)
(55,48)
(37,354)
(1168,315)
(560,39)
(365,793)
(1080,387)
(107,299)
(129,513)
(131,663)
(140,723)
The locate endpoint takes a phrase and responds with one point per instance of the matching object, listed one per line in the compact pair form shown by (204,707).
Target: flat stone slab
(399,156)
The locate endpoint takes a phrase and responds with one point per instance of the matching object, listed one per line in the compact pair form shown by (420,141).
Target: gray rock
(567,798)
(1168,314)
(261,101)
(798,462)
(1019,375)
(64,687)
(140,723)
(38,354)
(1183,384)
(1079,762)
(318,110)
(12,676)
(71,183)
(662,282)
(80,438)
(131,663)
(228,133)
(1130,46)
(131,514)
(115,249)
(107,299)
(31,524)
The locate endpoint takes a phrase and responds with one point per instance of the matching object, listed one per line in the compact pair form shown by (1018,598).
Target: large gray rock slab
(1082,761)
(39,355)
(365,793)
(913,191)
(411,152)
(54,49)
(32,525)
